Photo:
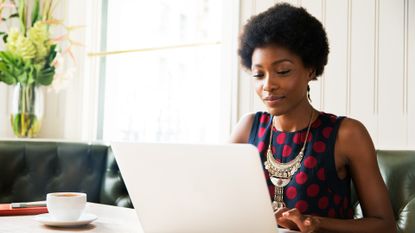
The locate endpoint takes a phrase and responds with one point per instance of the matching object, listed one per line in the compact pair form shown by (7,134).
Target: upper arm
(240,133)
(357,148)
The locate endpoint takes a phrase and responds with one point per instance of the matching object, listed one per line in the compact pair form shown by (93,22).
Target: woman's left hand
(306,223)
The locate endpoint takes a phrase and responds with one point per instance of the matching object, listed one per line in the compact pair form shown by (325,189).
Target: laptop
(188,188)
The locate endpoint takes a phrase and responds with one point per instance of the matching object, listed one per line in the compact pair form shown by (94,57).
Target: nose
(268,85)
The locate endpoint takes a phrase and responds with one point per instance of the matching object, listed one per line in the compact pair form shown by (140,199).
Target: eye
(283,72)
(258,75)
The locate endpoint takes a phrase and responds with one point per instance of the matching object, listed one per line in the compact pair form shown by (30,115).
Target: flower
(30,51)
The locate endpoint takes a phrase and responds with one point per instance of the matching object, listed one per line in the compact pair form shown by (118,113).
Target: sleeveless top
(315,189)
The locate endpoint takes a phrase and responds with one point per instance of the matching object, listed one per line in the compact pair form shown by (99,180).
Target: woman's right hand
(294,220)
(282,221)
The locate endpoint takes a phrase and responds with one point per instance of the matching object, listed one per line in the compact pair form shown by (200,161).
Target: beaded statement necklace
(281,173)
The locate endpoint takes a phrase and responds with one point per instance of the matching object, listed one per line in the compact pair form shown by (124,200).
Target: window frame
(93,110)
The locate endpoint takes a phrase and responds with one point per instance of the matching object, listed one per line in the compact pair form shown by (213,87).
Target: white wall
(370,75)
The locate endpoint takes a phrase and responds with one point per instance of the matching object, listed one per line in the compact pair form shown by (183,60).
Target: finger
(292,214)
(304,223)
(285,223)
(295,216)
(308,221)
(282,221)
(312,224)
(279,211)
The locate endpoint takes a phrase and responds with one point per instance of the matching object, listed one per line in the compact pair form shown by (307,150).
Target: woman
(310,157)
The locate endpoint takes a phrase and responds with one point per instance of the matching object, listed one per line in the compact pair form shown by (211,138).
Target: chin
(275,112)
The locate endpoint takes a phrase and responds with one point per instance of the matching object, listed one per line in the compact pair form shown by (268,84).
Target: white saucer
(48,220)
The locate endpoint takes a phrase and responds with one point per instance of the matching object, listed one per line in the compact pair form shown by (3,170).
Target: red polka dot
(327,132)
(299,138)
(332,213)
(261,132)
(281,138)
(337,199)
(310,162)
(301,178)
(301,206)
(264,118)
(333,118)
(316,123)
(286,151)
(291,192)
(310,136)
(319,147)
(323,203)
(260,146)
(273,150)
(321,175)
(313,190)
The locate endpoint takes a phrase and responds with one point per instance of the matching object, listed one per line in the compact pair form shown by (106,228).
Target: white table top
(110,219)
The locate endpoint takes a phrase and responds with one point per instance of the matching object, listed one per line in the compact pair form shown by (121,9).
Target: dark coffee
(66,195)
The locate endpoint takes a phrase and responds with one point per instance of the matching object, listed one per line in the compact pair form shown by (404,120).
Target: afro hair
(290,27)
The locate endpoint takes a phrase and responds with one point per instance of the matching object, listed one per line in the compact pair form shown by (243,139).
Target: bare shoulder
(240,133)
(354,139)
(352,130)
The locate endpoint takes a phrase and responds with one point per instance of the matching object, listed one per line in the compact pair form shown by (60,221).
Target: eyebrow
(276,62)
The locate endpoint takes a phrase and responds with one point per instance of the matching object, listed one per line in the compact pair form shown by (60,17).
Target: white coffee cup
(66,206)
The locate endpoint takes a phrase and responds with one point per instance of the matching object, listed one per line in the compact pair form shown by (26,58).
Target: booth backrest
(398,172)
(31,169)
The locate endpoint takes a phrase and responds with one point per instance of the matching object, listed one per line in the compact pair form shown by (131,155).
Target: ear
(311,74)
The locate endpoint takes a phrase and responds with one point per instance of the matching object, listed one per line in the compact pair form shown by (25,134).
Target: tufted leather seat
(30,169)
(398,172)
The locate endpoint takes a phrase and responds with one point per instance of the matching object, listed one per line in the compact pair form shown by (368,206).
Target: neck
(297,119)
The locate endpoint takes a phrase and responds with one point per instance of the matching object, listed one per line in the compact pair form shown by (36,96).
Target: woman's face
(281,79)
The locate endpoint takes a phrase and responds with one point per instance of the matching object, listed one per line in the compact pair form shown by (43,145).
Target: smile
(273,98)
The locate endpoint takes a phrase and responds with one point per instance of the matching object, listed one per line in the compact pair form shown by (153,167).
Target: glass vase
(26,110)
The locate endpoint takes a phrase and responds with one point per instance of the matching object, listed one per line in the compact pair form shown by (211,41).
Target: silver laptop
(177,188)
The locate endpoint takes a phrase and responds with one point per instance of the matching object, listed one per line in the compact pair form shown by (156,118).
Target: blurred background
(168,70)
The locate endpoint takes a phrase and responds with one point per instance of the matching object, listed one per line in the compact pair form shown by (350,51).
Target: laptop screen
(196,188)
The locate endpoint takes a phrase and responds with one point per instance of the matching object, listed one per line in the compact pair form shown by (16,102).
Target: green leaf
(22,78)
(5,38)
(7,57)
(45,76)
(52,54)
(9,80)
(36,12)
(22,16)
(31,75)
(4,69)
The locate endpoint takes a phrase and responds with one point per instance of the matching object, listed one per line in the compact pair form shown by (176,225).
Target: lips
(273,101)
(273,98)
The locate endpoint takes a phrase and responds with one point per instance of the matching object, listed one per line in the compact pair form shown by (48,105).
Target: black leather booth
(31,169)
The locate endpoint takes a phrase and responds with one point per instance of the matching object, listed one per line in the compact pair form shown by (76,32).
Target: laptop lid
(178,188)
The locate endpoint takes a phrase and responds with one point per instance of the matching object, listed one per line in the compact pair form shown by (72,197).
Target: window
(167,81)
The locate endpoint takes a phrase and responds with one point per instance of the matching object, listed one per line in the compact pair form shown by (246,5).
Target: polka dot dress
(315,188)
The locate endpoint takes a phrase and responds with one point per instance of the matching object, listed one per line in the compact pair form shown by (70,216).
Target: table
(111,219)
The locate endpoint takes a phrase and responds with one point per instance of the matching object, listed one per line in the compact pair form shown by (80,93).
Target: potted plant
(29,59)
